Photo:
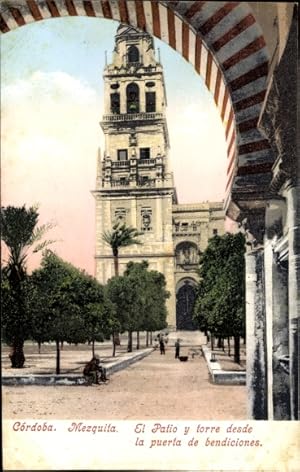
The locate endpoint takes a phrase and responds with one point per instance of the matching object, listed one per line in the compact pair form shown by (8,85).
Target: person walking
(162,345)
(177,348)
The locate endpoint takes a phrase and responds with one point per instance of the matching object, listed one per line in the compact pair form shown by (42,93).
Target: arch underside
(223,42)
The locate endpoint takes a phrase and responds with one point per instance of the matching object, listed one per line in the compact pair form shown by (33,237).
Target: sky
(51,106)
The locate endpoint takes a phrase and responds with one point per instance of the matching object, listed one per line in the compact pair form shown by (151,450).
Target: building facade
(135,184)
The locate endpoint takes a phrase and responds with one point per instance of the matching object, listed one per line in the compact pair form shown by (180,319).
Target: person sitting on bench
(94,372)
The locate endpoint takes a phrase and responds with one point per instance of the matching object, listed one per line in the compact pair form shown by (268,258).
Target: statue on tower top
(127,29)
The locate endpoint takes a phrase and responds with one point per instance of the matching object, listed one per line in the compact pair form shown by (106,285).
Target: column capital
(274,217)
(253,225)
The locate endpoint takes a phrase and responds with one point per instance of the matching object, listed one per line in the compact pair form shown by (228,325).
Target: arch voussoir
(221,40)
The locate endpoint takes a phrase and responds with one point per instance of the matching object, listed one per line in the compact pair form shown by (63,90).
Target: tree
(156,309)
(19,232)
(120,236)
(137,278)
(67,305)
(220,302)
(151,288)
(140,299)
(98,313)
(15,318)
(123,294)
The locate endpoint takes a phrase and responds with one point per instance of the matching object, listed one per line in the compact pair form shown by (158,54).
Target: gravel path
(156,387)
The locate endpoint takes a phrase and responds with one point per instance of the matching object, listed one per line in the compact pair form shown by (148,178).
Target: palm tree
(19,232)
(120,236)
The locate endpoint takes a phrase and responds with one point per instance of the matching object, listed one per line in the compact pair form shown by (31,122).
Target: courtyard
(159,386)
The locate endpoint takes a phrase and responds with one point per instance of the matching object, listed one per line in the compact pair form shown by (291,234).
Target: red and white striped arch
(223,42)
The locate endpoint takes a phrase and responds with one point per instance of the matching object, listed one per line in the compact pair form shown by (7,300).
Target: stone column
(293,219)
(278,121)
(276,288)
(142,97)
(134,217)
(277,333)
(256,335)
(268,263)
(280,342)
(158,219)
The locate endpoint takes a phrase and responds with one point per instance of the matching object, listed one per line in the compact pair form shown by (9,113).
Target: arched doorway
(185,299)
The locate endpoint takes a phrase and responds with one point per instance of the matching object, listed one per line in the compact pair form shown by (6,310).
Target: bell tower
(134,182)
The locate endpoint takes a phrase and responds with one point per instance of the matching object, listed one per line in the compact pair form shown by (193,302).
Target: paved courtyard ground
(155,387)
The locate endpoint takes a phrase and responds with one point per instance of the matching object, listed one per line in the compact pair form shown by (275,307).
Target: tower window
(115,102)
(132,139)
(122,155)
(150,102)
(133,54)
(146,219)
(215,231)
(133,98)
(144,180)
(184,227)
(145,153)
(120,215)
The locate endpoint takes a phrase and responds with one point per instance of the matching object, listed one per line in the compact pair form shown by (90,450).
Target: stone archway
(185,299)
(225,45)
